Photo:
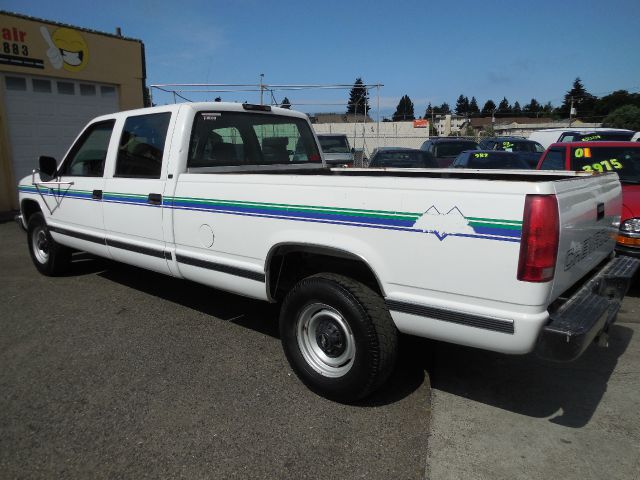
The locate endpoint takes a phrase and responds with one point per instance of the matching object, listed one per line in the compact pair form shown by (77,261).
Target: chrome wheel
(40,244)
(325,340)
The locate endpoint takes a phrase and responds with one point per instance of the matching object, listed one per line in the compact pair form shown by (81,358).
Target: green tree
(286,103)
(532,108)
(473,107)
(516,110)
(504,109)
(607,104)
(404,110)
(488,108)
(624,117)
(358,98)
(445,108)
(583,101)
(462,105)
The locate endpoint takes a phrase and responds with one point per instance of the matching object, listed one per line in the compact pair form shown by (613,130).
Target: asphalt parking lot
(113,371)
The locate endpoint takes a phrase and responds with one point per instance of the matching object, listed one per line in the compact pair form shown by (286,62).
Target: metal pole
(261,87)
(571,112)
(378,116)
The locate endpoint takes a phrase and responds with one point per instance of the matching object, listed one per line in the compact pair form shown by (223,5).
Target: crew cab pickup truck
(238,197)
(622,158)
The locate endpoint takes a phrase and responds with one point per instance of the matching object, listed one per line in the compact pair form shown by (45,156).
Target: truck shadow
(567,393)
(256,315)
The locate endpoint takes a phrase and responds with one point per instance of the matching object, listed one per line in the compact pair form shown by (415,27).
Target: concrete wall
(369,136)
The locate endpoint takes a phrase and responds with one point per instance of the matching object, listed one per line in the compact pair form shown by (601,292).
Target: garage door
(44,115)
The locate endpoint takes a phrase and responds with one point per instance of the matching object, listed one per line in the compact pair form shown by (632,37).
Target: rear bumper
(588,313)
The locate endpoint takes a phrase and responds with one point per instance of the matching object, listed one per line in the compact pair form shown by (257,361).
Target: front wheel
(49,257)
(338,336)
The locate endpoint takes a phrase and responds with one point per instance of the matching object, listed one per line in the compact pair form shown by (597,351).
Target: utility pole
(571,112)
(261,87)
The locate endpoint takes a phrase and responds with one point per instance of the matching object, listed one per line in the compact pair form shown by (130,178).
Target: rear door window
(142,146)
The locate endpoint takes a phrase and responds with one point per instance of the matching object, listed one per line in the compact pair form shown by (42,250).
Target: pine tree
(462,105)
(445,108)
(504,108)
(583,101)
(473,107)
(532,108)
(488,108)
(358,98)
(516,110)
(404,110)
(286,103)
(428,112)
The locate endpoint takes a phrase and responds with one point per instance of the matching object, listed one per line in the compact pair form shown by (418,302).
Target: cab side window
(88,155)
(142,146)
(554,160)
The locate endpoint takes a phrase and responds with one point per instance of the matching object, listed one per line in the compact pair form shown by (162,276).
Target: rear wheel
(49,257)
(338,336)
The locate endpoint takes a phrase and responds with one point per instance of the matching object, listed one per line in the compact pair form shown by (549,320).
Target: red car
(620,157)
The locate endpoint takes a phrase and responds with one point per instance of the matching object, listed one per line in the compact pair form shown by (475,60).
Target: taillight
(539,241)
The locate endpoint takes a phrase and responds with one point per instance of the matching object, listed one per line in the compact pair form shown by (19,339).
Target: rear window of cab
(227,139)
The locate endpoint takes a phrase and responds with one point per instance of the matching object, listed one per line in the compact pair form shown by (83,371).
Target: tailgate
(589,218)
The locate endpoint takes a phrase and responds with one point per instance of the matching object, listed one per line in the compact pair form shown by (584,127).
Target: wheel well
(28,208)
(288,264)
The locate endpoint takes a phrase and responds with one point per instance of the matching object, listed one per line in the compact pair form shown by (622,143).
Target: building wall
(36,47)
(368,136)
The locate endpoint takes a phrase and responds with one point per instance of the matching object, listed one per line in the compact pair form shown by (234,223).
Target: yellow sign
(66,49)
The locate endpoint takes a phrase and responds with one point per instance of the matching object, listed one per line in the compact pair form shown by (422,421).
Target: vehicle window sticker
(582,152)
(604,165)
(480,155)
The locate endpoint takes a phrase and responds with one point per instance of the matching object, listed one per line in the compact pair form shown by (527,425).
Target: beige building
(53,79)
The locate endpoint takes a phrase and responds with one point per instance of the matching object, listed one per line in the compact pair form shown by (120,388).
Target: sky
(432,51)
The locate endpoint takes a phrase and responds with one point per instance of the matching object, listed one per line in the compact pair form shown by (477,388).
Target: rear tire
(338,336)
(49,257)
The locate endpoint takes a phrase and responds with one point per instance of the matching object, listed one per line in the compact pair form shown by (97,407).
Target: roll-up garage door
(44,115)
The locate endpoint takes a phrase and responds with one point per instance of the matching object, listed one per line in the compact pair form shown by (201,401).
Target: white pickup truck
(237,197)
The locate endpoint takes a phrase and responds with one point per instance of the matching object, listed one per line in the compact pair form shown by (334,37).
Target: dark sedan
(494,159)
(402,158)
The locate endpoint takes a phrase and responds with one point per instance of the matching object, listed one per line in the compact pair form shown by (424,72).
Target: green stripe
(301,208)
(494,221)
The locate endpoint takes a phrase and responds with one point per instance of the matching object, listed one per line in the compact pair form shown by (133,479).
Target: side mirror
(48,166)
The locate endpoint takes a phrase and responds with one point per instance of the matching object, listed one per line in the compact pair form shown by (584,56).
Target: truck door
(133,212)
(74,210)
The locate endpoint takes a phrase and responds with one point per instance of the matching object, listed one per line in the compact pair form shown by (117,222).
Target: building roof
(82,29)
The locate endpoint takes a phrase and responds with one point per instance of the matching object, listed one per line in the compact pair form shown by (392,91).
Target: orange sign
(420,123)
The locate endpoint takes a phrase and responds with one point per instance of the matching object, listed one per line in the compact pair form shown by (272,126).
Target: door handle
(154,199)
(97,195)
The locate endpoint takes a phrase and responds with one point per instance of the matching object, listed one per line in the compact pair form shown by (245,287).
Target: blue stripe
(503,232)
(295,215)
(487,233)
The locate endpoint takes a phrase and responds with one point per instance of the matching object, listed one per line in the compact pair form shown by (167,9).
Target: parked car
(527,150)
(397,157)
(489,159)
(336,150)
(547,136)
(446,149)
(620,157)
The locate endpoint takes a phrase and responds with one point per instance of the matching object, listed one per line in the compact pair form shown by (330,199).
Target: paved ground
(499,417)
(121,373)
(118,372)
